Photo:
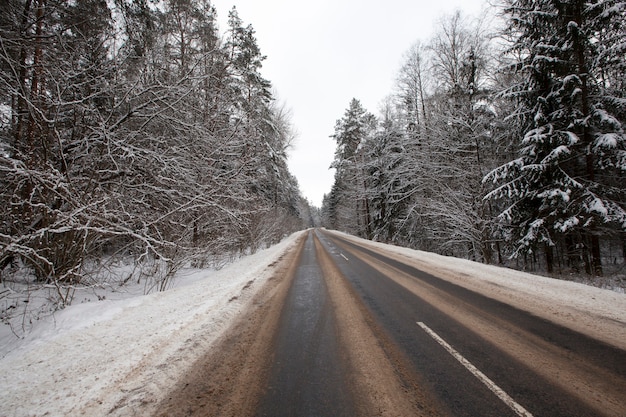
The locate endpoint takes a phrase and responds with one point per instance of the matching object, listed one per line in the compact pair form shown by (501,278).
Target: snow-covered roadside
(600,313)
(110,357)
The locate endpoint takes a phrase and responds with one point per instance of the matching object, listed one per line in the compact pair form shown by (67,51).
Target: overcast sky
(323,53)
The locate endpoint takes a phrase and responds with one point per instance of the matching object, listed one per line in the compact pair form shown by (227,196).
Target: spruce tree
(566,186)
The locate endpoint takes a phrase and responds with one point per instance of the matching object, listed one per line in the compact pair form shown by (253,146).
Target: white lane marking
(343,256)
(519,410)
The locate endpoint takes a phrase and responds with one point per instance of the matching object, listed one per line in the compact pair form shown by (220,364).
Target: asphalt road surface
(346,330)
(308,368)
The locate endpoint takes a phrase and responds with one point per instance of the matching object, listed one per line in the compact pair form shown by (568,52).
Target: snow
(567,224)
(555,193)
(596,206)
(607,141)
(606,119)
(119,357)
(106,357)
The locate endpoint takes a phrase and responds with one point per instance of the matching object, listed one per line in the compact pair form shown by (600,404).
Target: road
(348,330)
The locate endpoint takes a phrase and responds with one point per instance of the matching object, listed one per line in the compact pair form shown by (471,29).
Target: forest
(135,129)
(150,135)
(502,142)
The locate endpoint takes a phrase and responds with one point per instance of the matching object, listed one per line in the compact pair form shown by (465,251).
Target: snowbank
(107,357)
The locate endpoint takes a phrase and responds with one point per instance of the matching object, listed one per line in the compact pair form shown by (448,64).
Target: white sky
(323,53)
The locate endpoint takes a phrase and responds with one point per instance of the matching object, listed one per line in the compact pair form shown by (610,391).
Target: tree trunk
(549,252)
(35,124)
(21,110)
(368,228)
(596,257)
(573,253)
(594,263)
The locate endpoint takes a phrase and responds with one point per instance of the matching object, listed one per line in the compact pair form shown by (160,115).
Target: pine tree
(352,202)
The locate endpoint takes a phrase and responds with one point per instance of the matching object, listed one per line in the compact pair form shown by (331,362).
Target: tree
(566,185)
(388,189)
(138,133)
(415,177)
(411,84)
(351,202)
(451,150)
(55,73)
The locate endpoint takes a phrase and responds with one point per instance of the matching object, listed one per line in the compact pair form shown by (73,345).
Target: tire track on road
(384,381)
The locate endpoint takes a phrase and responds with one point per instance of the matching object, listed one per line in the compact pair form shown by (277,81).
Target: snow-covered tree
(418,173)
(139,132)
(411,86)
(388,188)
(566,187)
(350,203)
(450,145)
